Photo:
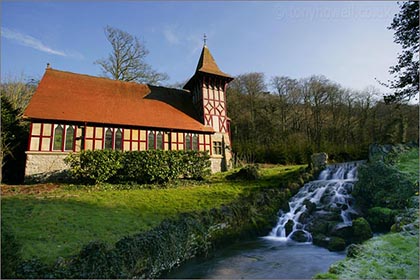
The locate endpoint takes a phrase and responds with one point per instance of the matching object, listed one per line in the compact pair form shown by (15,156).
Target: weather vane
(205,39)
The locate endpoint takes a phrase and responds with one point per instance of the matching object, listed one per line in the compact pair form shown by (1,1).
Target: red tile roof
(65,96)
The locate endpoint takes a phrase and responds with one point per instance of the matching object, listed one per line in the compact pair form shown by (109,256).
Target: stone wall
(40,165)
(221,162)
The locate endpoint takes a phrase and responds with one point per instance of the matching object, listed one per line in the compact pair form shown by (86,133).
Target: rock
(310,206)
(336,244)
(289,227)
(353,250)
(318,226)
(327,216)
(303,218)
(300,236)
(343,231)
(321,240)
(381,219)
(319,161)
(361,230)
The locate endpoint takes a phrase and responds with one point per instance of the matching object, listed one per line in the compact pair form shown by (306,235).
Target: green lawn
(59,223)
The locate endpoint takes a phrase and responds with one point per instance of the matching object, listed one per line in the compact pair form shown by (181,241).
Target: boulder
(361,230)
(300,236)
(319,161)
(353,251)
(303,218)
(318,226)
(321,240)
(336,244)
(381,219)
(289,227)
(310,206)
(343,231)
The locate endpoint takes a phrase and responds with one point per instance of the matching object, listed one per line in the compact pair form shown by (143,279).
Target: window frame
(217,148)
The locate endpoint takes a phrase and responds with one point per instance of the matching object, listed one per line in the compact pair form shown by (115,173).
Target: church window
(159,141)
(118,140)
(188,141)
(58,138)
(69,138)
(108,139)
(151,140)
(155,140)
(195,142)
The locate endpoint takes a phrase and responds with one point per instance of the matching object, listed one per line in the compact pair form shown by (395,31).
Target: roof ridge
(95,77)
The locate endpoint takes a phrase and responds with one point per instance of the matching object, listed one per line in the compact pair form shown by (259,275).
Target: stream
(287,251)
(261,259)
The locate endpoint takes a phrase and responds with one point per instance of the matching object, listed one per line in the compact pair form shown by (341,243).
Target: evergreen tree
(406,73)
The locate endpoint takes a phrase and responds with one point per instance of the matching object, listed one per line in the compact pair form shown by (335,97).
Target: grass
(391,256)
(57,224)
(408,163)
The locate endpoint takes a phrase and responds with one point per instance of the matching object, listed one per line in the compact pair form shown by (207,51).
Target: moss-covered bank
(394,255)
(148,254)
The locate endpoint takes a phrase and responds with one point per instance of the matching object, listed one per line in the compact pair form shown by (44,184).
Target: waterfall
(326,199)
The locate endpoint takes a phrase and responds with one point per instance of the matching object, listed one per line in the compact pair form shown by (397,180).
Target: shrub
(152,166)
(95,260)
(381,219)
(249,172)
(196,165)
(94,166)
(361,230)
(381,185)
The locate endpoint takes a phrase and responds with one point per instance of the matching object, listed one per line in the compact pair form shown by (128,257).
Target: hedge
(152,166)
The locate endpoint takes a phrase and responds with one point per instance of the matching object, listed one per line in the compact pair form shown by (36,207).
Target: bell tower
(208,89)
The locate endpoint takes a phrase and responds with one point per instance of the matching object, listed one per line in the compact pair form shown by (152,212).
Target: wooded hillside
(287,120)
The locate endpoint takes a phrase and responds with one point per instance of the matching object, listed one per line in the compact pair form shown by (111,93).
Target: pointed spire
(207,64)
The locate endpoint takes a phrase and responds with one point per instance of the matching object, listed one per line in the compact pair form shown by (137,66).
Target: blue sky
(348,42)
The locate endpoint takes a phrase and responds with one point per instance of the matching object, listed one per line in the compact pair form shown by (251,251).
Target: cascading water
(326,199)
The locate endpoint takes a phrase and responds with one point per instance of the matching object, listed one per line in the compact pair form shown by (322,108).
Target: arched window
(118,140)
(159,141)
(69,139)
(108,139)
(187,141)
(58,138)
(195,142)
(151,140)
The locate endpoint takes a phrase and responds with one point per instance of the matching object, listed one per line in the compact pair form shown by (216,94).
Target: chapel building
(72,112)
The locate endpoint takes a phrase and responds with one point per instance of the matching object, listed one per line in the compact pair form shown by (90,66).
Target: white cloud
(29,41)
(170,36)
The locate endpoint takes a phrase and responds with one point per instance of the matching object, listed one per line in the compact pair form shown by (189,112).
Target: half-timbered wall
(209,99)
(48,137)
(50,143)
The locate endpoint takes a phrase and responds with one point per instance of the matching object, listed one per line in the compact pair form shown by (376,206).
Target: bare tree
(127,62)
